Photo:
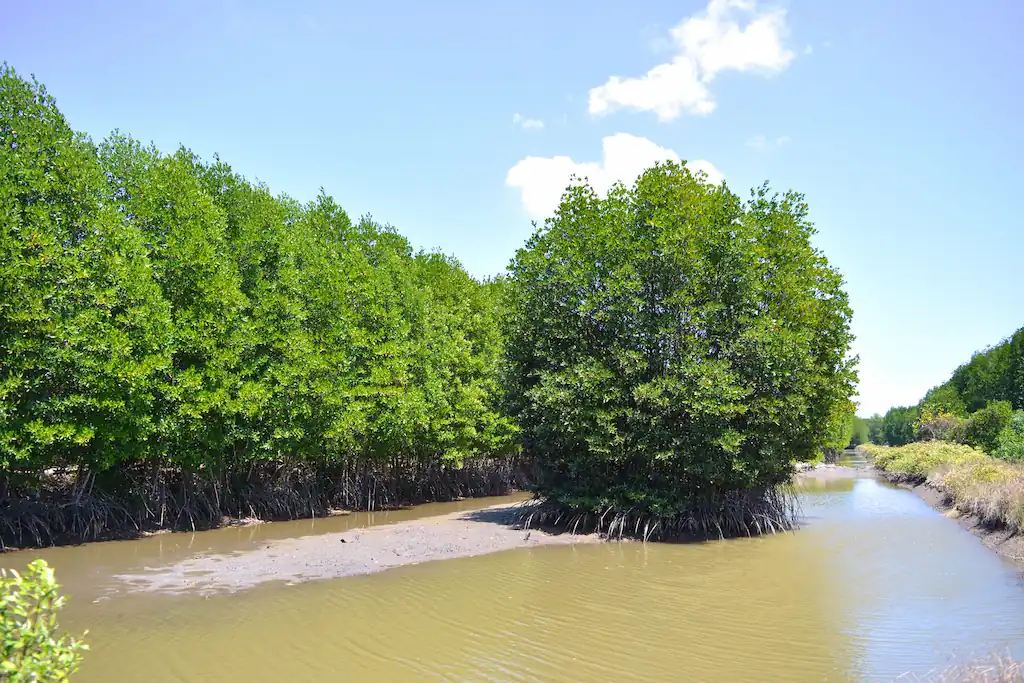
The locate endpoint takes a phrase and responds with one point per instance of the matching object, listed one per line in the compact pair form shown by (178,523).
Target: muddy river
(876,584)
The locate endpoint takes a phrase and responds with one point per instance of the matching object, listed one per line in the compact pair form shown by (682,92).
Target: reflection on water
(875,584)
(839,485)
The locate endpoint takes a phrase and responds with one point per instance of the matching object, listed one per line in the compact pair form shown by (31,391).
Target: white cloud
(705,45)
(760,143)
(527,123)
(543,180)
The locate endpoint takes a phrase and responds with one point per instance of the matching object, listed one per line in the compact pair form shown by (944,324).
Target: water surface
(874,585)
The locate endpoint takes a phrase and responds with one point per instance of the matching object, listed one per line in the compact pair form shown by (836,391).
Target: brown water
(876,584)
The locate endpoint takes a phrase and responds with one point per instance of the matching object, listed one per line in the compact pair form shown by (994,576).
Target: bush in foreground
(672,349)
(32,650)
(976,483)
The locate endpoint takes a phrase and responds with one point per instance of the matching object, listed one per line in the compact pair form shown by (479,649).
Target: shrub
(984,426)
(918,460)
(1010,444)
(32,649)
(673,349)
(939,425)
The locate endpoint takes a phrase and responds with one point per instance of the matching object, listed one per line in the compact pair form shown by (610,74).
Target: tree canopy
(673,348)
(162,313)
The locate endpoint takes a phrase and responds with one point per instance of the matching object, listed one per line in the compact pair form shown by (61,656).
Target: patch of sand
(350,553)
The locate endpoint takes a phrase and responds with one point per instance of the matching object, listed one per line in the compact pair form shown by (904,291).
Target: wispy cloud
(761,143)
(705,45)
(526,123)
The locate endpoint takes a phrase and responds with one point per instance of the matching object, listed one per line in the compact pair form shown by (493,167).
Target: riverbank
(980,493)
(827,472)
(1007,543)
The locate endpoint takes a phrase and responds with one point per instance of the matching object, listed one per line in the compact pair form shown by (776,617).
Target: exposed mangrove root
(738,513)
(72,507)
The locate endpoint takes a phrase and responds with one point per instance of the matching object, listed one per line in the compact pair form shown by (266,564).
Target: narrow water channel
(876,584)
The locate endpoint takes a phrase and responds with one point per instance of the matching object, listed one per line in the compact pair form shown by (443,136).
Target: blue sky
(458,122)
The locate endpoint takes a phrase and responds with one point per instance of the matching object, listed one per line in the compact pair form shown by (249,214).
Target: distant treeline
(161,314)
(982,405)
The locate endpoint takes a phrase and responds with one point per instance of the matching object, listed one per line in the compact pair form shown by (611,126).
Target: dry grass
(975,483)
(1000,670)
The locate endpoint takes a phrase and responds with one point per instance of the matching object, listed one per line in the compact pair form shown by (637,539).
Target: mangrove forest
(179,345)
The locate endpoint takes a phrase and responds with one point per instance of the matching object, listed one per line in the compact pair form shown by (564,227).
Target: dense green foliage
(839,431)
(936,424)
(897,426)
(996,374)
(673,348)
(876,429)
(159,314)
(985,425)
(31,649)
(1010,443)
(943,399)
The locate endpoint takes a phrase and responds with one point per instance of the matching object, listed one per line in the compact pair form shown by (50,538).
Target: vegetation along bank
(981,404)
(984,494)
(962,446)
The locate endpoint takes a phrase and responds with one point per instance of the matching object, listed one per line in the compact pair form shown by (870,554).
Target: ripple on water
(874,585)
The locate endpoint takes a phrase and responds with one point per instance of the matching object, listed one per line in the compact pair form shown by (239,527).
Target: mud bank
(376,548)
(351,553)
(1000,540)
(822,472)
